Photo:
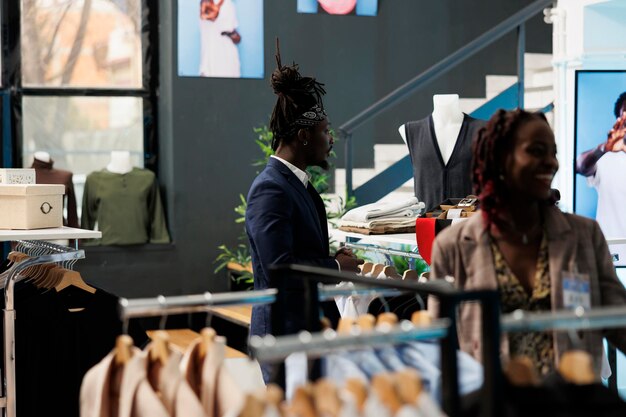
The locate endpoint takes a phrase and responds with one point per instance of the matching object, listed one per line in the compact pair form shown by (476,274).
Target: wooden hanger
(387,319)
(345,325)
(366,267)
(48,276)
(390,272)
(521,372)
(326,397)
(384,387)
(160,348)
(358,390)
(123,349)
(302,404)
(366,322)
(275,396)
(325,323)
(421,318)
(576,367)
(73,278)
(410,275)
(254,406)
(409,385)
(208,339)
(377,269)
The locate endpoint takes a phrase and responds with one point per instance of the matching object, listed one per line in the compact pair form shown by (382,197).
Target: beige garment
(218,392)
(176,394)
(136,396)
(463,251)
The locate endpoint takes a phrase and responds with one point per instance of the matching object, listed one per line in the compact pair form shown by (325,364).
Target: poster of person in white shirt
(600,184)
(220,38)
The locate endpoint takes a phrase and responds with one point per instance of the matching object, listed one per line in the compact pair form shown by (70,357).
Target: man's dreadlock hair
(493,143)
(296,95)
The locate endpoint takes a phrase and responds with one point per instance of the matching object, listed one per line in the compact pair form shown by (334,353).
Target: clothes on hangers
(132,397)
(60,346)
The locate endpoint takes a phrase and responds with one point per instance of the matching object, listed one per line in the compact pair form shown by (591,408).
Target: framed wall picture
(220,38)
(339,7)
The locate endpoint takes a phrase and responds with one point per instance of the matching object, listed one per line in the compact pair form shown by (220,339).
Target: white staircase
(538,93)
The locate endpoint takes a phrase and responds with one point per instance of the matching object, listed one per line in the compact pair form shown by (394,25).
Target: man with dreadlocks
(285,217)
(523,245)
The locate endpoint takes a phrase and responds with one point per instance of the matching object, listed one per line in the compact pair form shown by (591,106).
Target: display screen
(600,154)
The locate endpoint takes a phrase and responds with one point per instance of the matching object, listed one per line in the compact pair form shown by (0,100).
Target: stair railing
(514,22)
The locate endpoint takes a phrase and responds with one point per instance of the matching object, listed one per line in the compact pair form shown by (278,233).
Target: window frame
(12,92)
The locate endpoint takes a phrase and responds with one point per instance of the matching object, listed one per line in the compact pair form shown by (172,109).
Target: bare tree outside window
(81,43)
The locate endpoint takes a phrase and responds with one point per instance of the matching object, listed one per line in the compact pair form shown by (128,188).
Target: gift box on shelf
(31,206)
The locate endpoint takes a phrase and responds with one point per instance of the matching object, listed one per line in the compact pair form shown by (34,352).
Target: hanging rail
(577,319)
(380,249)
(161,305)
(272,349)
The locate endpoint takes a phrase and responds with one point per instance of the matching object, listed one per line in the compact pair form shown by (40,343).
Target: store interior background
(206,142)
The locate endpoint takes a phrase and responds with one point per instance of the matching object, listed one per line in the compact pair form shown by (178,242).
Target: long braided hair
(494,142)
(296,95)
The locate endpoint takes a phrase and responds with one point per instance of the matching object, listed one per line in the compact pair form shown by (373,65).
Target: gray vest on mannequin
(435,180)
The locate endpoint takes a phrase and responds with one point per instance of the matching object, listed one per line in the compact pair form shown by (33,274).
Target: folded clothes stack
(383,217)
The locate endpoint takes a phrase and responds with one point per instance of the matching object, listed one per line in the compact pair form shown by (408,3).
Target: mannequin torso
(120,162)
(447,121)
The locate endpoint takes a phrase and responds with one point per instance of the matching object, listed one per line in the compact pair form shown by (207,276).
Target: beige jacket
(574,244)
(218,392)
(136,396)
(176,394)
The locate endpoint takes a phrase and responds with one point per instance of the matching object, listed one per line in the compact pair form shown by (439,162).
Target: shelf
(56,233)
(616,241)
(401,238)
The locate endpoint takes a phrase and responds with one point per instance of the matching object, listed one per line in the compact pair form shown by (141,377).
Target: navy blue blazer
(286,224)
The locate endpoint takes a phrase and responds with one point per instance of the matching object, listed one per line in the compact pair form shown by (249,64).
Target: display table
(398,238)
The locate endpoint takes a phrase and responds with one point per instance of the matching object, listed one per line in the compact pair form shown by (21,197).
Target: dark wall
(206,140)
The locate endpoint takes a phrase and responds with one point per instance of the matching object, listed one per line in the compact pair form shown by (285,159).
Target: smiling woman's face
(530,167)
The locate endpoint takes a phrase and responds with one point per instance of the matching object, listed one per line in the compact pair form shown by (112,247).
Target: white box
(17,176)
(31,206)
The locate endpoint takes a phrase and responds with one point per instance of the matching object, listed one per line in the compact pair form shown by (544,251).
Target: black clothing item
(56,347)
(402,305)
(434,180)
(554,398)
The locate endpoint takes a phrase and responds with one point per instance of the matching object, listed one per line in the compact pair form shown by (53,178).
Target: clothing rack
(385,251)
(272,349)
(577,319)
(44,253)
(449,299)
(195,303)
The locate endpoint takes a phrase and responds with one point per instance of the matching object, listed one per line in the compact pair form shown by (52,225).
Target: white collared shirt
(303,176)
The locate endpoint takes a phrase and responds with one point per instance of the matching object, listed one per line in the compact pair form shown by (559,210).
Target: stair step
(468,105)
(534,61)
(495,84)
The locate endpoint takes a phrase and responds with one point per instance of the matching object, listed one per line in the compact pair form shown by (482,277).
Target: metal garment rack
(272,349)
(198,303)
(44,253)
(380,249)
(283,276)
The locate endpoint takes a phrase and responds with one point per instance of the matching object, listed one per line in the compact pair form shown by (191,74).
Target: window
(81,43)
(82,85)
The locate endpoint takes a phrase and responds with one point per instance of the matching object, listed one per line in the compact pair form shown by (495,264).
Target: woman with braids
(285,217)
(523,245)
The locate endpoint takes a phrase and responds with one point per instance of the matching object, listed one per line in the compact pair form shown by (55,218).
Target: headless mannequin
(120,162)
(42,156)
(447,120)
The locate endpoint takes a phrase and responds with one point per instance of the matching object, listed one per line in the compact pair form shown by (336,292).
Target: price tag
(576,290)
